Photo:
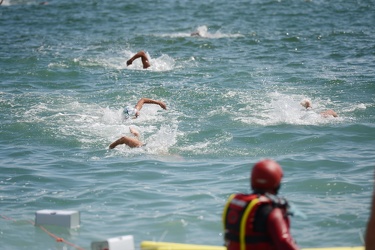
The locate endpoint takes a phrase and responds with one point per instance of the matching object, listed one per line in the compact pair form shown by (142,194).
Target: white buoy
(119,243)
(70,219)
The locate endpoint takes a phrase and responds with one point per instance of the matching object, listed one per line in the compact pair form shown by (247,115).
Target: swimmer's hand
(129,62)
(134,131)
(163,105)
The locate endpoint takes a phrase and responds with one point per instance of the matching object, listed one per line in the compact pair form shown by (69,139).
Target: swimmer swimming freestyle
(327,113)
(141,54)
(134,112)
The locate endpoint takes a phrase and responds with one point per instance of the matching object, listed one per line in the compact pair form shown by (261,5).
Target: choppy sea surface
(233,96)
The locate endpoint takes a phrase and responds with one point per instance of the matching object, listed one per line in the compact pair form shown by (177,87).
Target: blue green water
(233,98)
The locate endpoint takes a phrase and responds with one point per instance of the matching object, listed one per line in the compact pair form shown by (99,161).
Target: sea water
(233,98)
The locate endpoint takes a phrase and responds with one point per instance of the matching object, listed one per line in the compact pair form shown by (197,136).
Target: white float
(70,219)
(119,243)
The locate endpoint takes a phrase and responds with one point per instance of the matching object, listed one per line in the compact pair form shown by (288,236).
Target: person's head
(306,103)
(131,112)
(266,177)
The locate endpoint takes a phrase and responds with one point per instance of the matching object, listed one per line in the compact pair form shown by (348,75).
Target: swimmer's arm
(149,101)
(144,58)
(328,113)
(131,142)
(134,132)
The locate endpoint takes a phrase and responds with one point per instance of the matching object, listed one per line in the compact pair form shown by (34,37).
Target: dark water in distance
(233,98)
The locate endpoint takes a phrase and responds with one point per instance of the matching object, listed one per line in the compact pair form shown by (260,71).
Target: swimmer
(132,142)
(200,32)
(141,54)
(307,104)
(134,112)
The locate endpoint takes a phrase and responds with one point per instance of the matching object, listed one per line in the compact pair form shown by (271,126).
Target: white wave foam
(202,32)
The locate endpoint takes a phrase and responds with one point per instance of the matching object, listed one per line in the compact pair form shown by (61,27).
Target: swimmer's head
(306,103)
(130,112)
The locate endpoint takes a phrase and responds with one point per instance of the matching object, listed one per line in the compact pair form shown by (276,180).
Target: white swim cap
(130,111)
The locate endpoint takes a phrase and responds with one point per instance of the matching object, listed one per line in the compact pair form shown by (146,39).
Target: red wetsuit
(257,222)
